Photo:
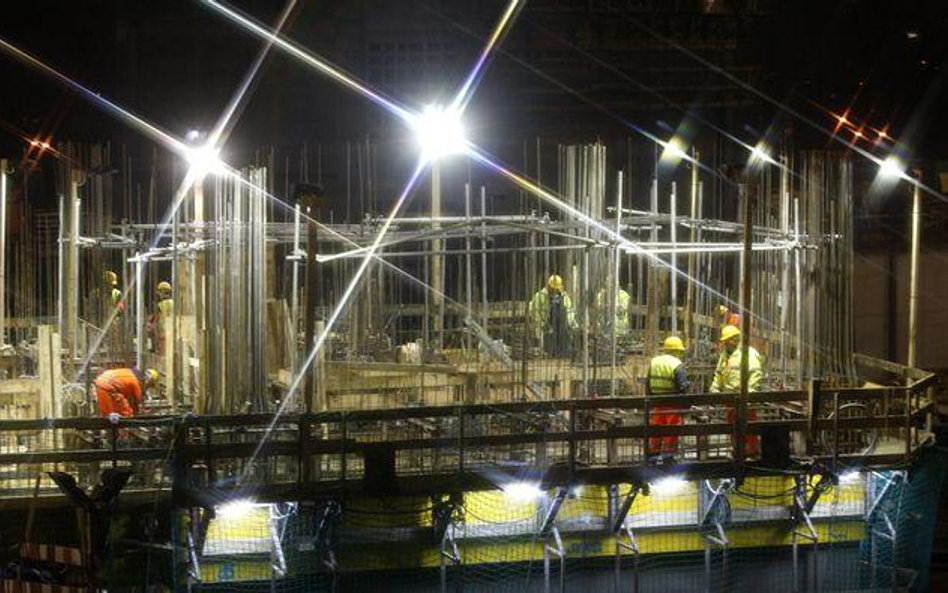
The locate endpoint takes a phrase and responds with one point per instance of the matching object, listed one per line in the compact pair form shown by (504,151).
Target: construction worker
(727,317)
(114,292)
(623,306)
(667,376)
(121,391)
(727,375)
(551,312)
(164,310)
(165,302)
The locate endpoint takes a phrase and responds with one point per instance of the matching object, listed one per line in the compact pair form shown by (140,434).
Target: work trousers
(664,416)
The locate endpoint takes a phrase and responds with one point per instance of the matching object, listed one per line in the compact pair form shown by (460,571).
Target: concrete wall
(874,298)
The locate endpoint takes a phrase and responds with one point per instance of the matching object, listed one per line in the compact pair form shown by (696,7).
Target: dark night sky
(177,62)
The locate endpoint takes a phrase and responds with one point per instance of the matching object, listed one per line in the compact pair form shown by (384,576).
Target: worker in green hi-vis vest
(667,376)
(553,318)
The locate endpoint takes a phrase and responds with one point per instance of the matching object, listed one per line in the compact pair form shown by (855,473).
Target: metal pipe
(745,326)
(615,288)
(73,290)
(139,313)
(437,270)
(468,263)
(60,270)
(785,271)
(798,285)
(3,251)
(673,276)
(424,221)
(483,258)
(913,277)
(728,248)
(690,286)
(295,287)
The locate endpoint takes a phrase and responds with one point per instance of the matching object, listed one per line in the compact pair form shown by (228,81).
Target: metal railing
(432,448)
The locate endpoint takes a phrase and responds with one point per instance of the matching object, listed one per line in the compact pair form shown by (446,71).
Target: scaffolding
(436,383)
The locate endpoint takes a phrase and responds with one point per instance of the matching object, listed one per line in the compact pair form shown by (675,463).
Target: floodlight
(892,168)
(234,510)
(849,477)
(669,486)
(522,491)
(204,159)
(440,132)
(759,155)
(674,149)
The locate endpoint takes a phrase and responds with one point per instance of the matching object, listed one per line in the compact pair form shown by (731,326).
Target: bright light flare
(849,477)
(674,150)
(841,121)
(522,491)
(759,155)
(235,510)
(892,168)
(204,160)
(669,486)
(440,132)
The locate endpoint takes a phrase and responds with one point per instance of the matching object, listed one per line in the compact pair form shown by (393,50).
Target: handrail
(190,442)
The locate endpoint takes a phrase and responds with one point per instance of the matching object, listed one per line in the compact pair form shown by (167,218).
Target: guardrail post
(344,421)
(180,464)
(303,460)
(113,442)
(572,439)
(646,452)
(908,420)
(814,397)
(738,429)
(460,440)
(208,452)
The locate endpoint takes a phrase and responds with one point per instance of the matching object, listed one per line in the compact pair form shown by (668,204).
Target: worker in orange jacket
(121,391)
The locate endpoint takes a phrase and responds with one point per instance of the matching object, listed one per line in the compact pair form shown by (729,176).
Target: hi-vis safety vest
(166,306)
(539,310)
(661,374)
(623,305)
(727,375)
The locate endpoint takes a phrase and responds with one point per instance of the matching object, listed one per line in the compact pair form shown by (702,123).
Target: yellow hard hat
(110,277)
(164,285)
(152,375)
(555,282)
(674,343)
(728,332)
(722,309)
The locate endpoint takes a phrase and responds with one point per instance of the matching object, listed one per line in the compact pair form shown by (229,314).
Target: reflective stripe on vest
(661,374)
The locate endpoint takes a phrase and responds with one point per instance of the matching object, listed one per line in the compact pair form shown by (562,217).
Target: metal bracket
(560,552)
(623,511)
(712,527)
(449,547)
(325,538)
(277,527)
(194,571)
(198,523)
(886,532)
(625,539)
(718,498)
(803,505)
(554,509)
